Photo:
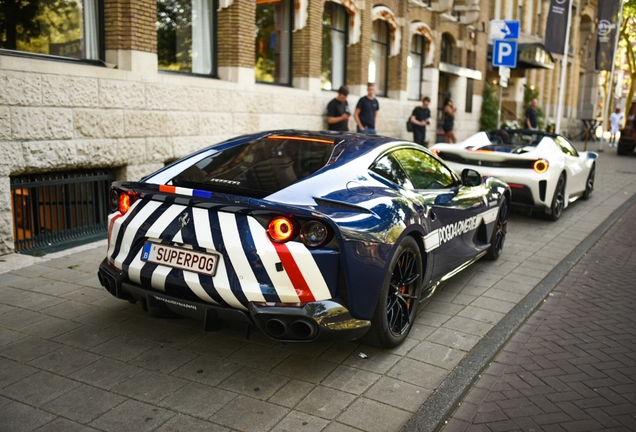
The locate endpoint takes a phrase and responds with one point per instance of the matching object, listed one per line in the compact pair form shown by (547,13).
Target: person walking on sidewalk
(338,112)
(615,121)
(421,118)
(366,113)
(449,121)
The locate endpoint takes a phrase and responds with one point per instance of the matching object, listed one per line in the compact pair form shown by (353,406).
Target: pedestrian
(338,112)
(532,117)
(366,113)
(448,125)
(421,118)
(615,120)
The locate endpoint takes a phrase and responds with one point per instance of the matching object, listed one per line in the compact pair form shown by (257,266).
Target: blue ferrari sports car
(305,235)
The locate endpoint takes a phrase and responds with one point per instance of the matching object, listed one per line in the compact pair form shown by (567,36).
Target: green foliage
(488,119)
(627,48)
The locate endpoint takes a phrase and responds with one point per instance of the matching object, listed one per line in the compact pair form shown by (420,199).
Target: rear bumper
(325,320)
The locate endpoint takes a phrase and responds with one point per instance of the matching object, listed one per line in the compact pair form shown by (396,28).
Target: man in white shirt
(615,120)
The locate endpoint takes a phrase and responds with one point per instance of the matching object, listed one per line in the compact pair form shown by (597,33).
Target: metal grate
(54,211)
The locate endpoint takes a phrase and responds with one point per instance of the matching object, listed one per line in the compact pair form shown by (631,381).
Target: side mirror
(592,155)
(471,177)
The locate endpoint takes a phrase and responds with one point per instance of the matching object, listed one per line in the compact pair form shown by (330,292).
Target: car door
(454,210)
(575,165)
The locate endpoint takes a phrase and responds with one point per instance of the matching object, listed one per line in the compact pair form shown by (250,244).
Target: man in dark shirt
(366,112)
(338,111)
(532,117)
(421,118)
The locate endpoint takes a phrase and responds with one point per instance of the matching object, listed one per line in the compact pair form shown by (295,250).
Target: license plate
(184,259)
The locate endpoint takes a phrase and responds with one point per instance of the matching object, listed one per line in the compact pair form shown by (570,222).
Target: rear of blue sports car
(199,239)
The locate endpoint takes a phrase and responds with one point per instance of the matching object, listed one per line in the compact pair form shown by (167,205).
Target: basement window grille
(54,211)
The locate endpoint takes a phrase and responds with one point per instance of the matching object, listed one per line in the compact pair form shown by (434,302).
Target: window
(273,41)
(185,36)
(414,63)
(414,169)
(447,49)
(469,94)
(379,63)
(425,171)
(63,28)
(334,46)
(566,146)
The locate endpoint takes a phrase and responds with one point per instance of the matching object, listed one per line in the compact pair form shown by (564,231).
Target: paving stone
(215,346)
(132,415)
(16,416)
(65,360)
(437,355)
(418,373)
(28,348)
(12,371)
(106,373)
(163,359)
(373,360)
(123,348)
(325,402)
(198,400)
(149,386)
(369,415)
(291,393)
(248,414)
(259,357)
(7,336)
(207,370)
(350,379)
(39,388)
(297,421)
(182,422)
(304,368)
(398,393)
(83,404)
(16,318)
(454,339)
(254,383)
(49,327)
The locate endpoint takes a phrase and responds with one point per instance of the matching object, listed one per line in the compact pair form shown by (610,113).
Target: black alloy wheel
(558,200)
(499,233)
(399,298)
(589,185)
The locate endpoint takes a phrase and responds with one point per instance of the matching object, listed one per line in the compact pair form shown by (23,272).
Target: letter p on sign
(504,53)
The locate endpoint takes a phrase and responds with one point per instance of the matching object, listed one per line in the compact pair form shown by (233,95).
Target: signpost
(504,34)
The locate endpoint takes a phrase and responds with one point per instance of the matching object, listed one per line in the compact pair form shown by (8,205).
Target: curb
(431,416)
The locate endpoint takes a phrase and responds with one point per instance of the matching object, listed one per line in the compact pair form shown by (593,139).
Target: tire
(622,150)
(558,200)
(399,298)
(499,233)
(589,185)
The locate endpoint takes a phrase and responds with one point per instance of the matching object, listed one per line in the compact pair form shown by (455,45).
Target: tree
(488,119)
(627,46)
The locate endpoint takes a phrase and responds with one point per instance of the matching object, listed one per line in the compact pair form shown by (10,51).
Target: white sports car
(544,171)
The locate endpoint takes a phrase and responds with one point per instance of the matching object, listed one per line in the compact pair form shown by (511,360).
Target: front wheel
(589,186)
(499,233)
(399,298)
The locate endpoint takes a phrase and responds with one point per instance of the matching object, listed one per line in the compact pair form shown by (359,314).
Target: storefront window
(334,46)
(61,28)
(378,65)
(273,41)
(185,35)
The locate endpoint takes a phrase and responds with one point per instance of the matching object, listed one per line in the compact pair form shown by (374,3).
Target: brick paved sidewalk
(572,366)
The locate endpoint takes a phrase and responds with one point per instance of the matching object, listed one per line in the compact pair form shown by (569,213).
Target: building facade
(583,96)
(127,86)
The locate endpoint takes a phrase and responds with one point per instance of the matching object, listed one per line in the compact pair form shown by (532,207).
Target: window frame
(387,46)
(290,54)
(470,92)
(421,69)
(101,45)
(214,50)
(346,42)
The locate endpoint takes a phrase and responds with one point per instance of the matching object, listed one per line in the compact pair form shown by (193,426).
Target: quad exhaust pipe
(289,328)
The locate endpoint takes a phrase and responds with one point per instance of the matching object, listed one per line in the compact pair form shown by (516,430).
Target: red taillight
(281,229)
(124,203)
(435,152)
(540,166)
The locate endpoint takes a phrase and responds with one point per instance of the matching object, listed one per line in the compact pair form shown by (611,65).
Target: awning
(530,56)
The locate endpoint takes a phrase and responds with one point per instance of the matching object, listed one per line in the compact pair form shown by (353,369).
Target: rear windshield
(258,168)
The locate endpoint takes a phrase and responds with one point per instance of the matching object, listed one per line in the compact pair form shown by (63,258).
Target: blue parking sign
(504,53)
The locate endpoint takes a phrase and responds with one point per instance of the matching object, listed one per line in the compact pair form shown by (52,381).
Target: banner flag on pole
(606,33)
(557,26)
